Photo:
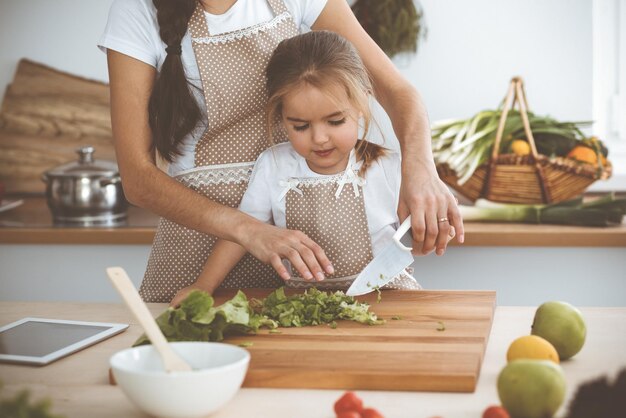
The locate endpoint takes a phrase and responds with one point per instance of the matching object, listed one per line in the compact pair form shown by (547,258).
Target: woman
(204,113)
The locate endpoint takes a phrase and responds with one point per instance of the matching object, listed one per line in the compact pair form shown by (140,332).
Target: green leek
(603,211)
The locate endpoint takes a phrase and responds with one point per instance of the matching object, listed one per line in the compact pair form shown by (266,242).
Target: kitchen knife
(394,258)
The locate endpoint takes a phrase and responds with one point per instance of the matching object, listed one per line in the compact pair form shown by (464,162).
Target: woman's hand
(272,244)
(434,211)
(184,292)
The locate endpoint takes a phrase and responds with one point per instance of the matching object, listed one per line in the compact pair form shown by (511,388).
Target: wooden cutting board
(437,345)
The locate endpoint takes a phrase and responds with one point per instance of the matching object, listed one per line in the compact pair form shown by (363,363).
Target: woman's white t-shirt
(263,199)
(132,30)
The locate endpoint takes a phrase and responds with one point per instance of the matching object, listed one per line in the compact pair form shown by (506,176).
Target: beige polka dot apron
(331,211)
(232,69)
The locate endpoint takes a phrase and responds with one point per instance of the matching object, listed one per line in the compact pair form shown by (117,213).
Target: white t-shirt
(263,199)
(132,30)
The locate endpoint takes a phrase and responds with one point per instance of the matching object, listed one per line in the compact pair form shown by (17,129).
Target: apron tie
(291,184)
(350,177)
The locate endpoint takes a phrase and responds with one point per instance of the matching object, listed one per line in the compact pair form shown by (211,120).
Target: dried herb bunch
(395,25)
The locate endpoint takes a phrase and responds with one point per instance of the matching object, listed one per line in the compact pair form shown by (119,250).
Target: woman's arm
(146,186)
(422,193)
(223,258)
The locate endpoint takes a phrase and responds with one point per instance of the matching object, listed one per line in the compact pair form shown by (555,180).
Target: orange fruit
(520,147)
(583,154)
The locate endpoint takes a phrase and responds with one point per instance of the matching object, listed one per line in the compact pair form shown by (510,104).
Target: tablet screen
(40,341)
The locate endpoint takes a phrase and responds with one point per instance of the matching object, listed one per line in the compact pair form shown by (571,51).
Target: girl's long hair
(172,111)
(321,59)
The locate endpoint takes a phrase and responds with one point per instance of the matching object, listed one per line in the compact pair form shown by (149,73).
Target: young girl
(340,191)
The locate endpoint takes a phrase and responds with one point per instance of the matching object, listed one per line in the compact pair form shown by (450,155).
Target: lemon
(532,347)
(520,147)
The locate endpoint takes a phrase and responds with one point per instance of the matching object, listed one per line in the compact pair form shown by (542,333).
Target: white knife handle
(406,225)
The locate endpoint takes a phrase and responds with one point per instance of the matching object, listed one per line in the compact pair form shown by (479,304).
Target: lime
(562,325)
(531,388)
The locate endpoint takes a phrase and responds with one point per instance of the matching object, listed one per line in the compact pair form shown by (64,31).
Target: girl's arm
(131,83)
(223,258)
(422,193)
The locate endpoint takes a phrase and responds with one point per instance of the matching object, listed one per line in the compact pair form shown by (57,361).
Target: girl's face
(322,126)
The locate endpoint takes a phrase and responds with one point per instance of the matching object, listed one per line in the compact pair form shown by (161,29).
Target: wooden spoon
(126,289)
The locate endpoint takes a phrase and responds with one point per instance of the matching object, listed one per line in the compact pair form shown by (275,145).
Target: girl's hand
(184,292)
(272,244)
(428,200)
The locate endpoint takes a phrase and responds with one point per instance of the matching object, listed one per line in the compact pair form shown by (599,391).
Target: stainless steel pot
(86,192)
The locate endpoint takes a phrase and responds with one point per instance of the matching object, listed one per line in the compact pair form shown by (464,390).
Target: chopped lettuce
(313,307)
(197,319)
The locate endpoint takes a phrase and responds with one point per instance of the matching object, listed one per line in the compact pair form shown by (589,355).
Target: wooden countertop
(31,223)
(87,393)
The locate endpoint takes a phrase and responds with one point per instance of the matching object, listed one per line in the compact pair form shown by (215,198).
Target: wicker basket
(532,178)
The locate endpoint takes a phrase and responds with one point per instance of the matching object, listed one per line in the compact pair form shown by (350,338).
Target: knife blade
(394,258)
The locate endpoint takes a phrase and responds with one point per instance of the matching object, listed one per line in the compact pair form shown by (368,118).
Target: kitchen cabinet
(525,264)
(88,393)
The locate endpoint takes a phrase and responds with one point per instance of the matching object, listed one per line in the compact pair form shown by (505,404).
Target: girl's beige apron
(232,68)
(331,211)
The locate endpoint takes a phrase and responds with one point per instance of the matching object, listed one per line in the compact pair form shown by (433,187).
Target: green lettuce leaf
(197,319)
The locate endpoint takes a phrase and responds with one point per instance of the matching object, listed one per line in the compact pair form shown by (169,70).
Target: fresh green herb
(198,320)
(313,307)
(275,331)
(246,344)
(396,318)
(379,296)
(333,325)
(369,284)
(22,406)
(442,326)
(381,277)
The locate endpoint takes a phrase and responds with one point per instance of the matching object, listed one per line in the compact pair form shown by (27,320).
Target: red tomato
(371,413)
(495,412)
(348,402)
(349,414)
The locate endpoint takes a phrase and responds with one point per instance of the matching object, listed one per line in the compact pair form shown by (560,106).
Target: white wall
(472,50)
(60,33)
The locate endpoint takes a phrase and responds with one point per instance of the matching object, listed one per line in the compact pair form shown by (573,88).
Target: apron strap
(198,27)
(278,6)
(350,176)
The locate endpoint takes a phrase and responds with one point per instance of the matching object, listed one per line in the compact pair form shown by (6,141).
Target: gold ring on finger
(444,219)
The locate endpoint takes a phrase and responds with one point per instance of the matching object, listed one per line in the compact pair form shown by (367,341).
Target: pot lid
(86,166)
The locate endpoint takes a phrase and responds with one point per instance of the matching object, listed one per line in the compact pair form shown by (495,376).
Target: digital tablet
(40,341)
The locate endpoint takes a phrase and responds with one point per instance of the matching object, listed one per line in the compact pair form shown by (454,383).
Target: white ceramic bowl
(218,372)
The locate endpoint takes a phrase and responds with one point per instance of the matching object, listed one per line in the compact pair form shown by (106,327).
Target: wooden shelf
(31,223)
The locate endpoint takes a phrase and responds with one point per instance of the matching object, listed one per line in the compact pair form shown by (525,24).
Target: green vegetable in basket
(604,211)
(466,144)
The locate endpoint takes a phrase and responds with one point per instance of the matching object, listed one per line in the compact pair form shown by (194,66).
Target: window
(609,86)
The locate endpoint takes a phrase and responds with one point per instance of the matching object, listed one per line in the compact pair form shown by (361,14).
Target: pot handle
(114,180)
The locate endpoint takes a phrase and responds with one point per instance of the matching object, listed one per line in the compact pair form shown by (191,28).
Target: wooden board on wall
(45,116)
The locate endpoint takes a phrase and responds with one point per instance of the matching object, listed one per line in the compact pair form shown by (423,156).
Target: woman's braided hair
(172,111)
